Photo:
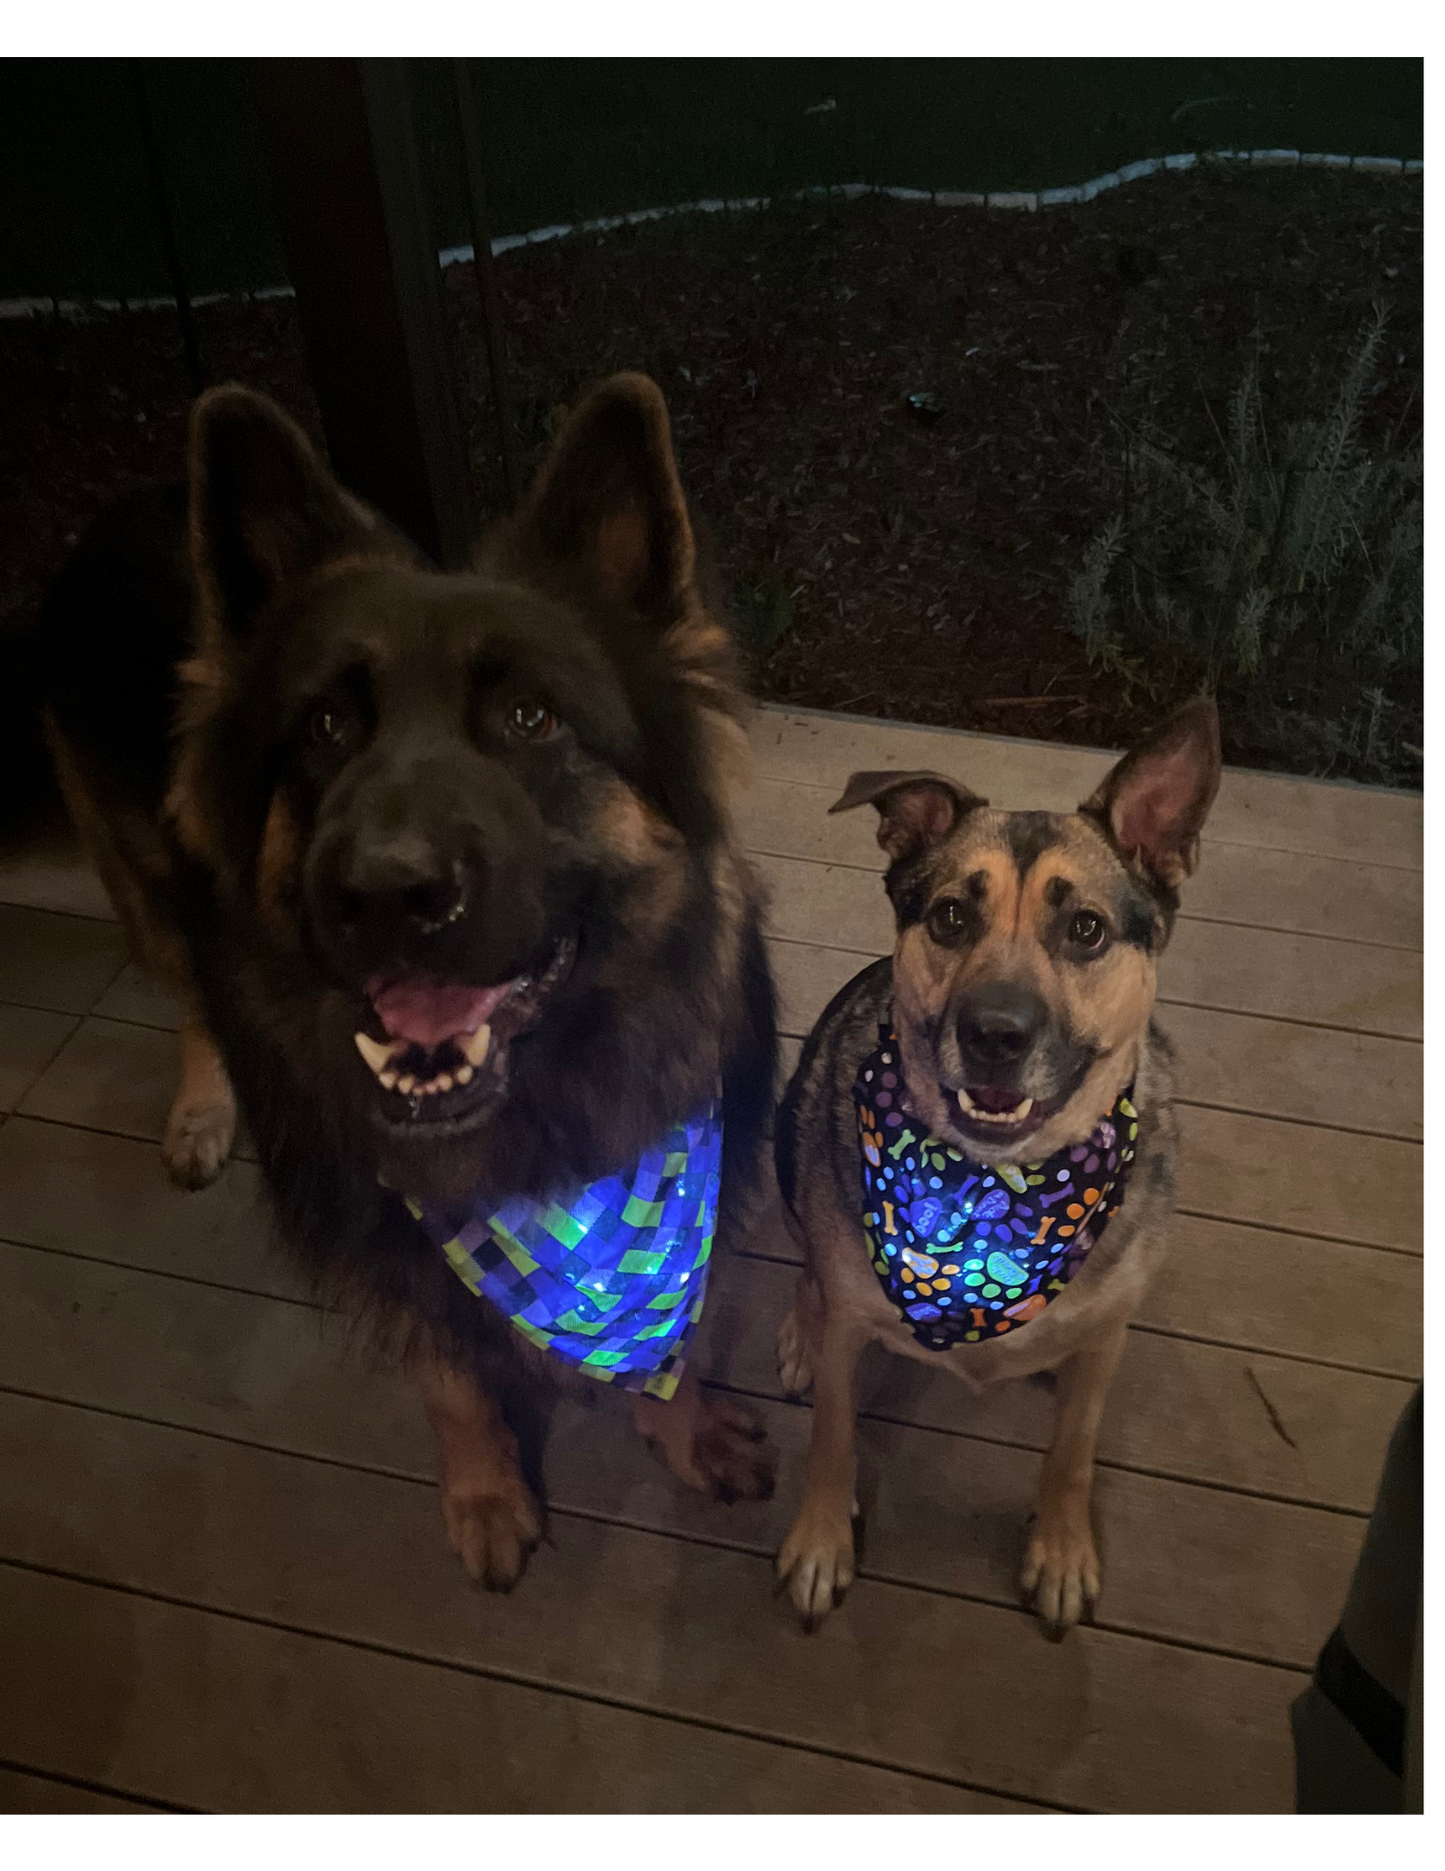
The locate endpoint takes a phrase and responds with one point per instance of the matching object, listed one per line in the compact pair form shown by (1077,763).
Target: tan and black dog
(441,867)
(1009,1042)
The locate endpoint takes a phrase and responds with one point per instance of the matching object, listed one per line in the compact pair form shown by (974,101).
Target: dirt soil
(896,558)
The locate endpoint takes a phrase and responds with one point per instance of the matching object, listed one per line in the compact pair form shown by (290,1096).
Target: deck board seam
(151,1801)
(30,1084)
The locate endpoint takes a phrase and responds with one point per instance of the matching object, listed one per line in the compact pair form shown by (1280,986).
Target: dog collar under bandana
(969,1250)
(610,1277)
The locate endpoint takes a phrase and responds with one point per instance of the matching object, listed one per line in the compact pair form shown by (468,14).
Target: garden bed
(903,560)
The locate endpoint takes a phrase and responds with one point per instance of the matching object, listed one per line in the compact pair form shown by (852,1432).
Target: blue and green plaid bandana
(610,1277)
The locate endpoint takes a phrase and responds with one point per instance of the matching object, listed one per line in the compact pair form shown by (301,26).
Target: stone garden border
(1026,200)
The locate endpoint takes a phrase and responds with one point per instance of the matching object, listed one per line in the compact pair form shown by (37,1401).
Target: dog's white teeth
(474,1045)
(377,1053)
(388,1079)
(1015,1116)
(406,1086)
(444,1083)
(463,1075)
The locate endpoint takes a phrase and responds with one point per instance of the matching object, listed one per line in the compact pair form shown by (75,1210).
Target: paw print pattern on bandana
(965,1250)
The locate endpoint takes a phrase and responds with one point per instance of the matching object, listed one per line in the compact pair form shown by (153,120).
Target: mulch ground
(896,558)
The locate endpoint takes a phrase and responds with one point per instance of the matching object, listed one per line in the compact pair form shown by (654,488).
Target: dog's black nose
(997,1024)
(400,894)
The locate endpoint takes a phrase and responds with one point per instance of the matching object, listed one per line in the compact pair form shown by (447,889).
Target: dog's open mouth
(444,1051)
(996,1114)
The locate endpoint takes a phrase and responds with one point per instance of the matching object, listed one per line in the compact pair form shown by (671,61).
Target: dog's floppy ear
(264,509)
(607,506)
(914,809)
(1155,801)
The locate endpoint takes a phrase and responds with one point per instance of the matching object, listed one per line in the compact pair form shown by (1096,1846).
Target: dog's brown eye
(531,720)
(1087,931)
(947,920)
(331,726)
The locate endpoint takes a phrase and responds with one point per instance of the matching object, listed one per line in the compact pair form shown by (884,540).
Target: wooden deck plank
(53,873)
(109,1076)
(1114,1723)
(1291,1294)
(106,1197)
(1313,979)
(235,1716)
(30,1038)
(135,997)
(1310,979)
(1309,1074)
(1301,1178)
(1365,824)
(1235,883)
(57,962)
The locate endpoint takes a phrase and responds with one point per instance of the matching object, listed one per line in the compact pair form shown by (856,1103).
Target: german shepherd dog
(441,867)
(1016,1015)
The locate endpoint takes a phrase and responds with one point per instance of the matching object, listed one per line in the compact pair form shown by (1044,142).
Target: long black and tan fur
(278,730)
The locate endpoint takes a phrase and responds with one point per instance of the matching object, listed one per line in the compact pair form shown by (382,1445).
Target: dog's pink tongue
(432,1011)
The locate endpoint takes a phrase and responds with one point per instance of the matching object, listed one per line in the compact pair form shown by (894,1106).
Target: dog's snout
(400,892)
(998,1023)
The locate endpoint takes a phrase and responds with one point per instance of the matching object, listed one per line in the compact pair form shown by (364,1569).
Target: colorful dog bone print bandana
(969,1250)
(610,1277)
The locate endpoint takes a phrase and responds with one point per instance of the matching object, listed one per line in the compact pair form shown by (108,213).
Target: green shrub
(1283,571)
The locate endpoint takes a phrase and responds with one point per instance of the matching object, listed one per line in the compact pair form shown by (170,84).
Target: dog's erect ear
(264,508)
(607,506)
(914,809)
(1155,801)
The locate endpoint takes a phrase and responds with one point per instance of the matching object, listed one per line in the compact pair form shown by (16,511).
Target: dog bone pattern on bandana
(611,1277)
(969,1250)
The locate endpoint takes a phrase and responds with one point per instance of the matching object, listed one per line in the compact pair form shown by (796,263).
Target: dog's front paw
(1061,1568)
(197,1142)
(731,1455)
(816,1561)
(492,1532)
(710,1441)
(795,1373)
